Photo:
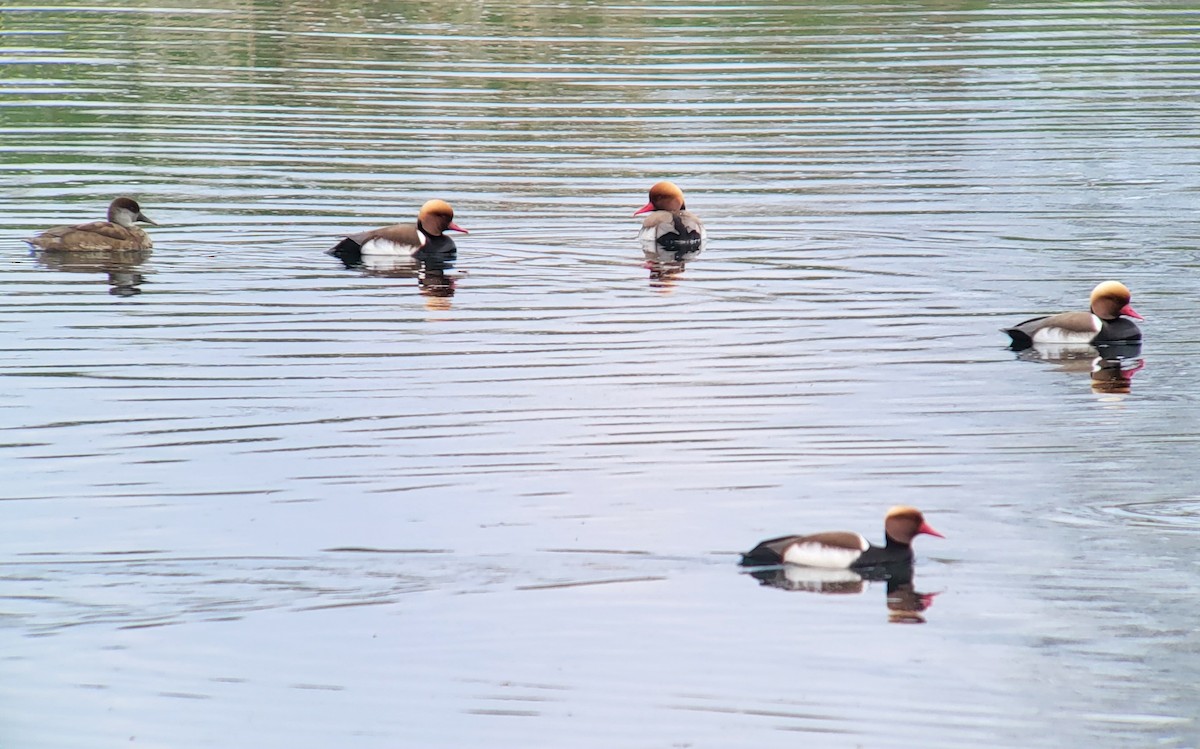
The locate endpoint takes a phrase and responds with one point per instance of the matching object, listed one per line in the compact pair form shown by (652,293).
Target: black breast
(884,556)
(1121,330)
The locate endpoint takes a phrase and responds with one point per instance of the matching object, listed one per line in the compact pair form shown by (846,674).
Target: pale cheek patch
(820,555)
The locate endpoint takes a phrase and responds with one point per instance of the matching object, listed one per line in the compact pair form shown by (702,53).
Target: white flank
(379,246)
(1053,334)
(820,555)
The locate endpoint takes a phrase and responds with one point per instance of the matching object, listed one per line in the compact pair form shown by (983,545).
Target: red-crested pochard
(403,240)
(670,225)
(1105,323)
(844,549)
(119,232)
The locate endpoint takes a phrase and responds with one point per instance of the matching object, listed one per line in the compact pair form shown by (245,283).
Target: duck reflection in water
(843,561)
(1110,367)
(905,605)
(420,250)
(121,266)
(665,265)
(433,270)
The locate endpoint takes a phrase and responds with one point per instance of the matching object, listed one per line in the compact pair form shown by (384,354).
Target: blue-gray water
(271,502)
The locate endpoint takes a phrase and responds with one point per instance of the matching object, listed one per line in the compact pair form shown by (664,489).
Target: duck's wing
(1065,327)
(396,240)
(834,549)
(98,235)
(400,239)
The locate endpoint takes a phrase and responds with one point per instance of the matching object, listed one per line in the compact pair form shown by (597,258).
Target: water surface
(257,498)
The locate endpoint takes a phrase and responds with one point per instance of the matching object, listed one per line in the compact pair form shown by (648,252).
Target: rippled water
(255,498)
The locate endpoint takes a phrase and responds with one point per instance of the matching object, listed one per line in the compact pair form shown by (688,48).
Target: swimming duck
(670,225)
(403,240)
(1104,324)
(119,232)
(845,549)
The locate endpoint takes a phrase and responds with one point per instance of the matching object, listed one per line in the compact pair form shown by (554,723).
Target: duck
(426,236)
(119,233)
(1103,324)
(846,549)
(670,225)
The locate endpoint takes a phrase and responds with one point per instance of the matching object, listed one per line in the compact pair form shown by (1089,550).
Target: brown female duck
(119,232)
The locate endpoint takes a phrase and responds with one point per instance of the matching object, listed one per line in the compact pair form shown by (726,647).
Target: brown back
(99,235)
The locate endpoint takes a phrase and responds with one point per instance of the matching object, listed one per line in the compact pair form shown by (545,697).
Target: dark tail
(681,240)
(348,251)
(760,556)
(1020,339)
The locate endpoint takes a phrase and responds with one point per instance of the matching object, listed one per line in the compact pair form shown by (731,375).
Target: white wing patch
(380,246)
(813,554)
(1054,334)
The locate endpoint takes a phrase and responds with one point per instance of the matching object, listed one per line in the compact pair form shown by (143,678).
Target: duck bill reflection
(1115,376)
(905,605)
